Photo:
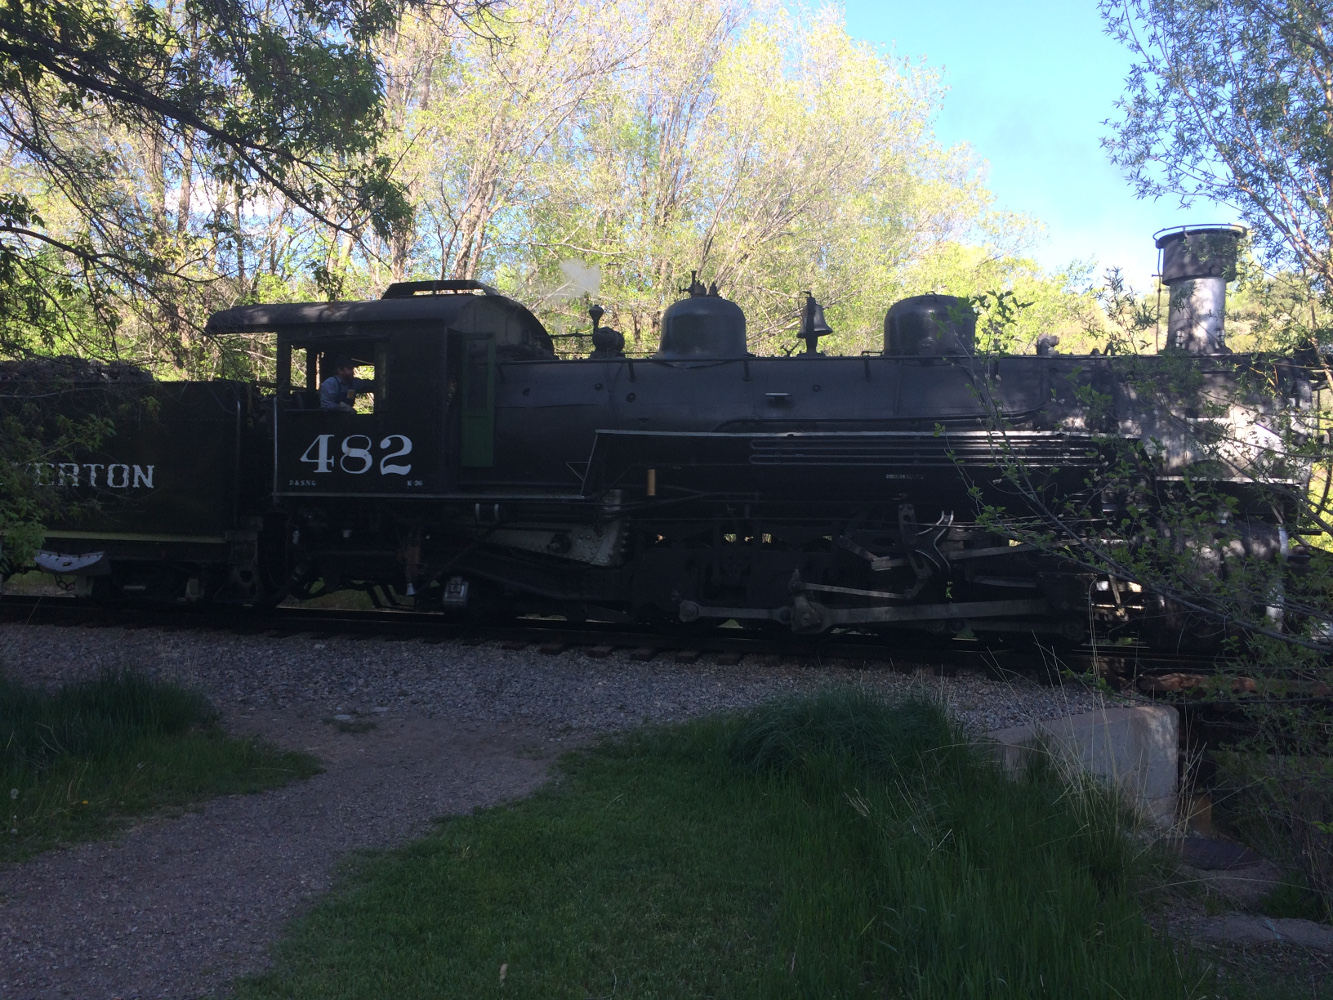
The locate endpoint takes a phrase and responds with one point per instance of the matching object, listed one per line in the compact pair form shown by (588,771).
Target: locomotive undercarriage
(761,567)
(773,569)
(698,565)
(235,568)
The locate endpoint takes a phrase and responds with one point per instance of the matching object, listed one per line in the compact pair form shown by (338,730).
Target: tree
(138,137)
(477,114)
(1232,101)
(769,153)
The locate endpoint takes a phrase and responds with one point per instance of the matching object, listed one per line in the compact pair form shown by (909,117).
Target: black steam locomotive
(483,475)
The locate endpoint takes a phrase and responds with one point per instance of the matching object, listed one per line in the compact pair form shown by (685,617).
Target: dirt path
(178,907)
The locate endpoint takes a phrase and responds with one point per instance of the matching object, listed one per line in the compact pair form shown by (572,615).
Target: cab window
(364,375)
(309,366)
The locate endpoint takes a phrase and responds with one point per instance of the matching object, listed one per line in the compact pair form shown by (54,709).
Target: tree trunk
(187,182)
(239,239)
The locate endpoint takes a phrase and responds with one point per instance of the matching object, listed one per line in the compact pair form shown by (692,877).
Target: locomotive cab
(426,357)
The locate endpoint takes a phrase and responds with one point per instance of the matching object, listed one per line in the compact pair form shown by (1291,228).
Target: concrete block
(1135,748)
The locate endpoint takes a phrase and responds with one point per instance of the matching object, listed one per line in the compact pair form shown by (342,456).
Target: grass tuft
(1293,897)
(851,729)
(93,719)
(76,762)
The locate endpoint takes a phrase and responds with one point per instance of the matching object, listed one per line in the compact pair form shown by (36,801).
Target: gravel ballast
(179,906)
(569,692)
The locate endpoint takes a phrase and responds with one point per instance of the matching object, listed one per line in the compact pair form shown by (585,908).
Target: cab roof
(459,310)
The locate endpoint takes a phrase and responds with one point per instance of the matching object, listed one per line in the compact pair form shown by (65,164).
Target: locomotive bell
(930,324)
(705,325)
(813,324)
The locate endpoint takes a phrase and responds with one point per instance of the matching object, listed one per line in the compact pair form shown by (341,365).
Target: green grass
(1258,799)
(834,847)
(77,762)
(1294,898)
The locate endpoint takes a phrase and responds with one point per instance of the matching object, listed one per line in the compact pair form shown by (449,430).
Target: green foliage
(1276,791)
(1278,312)
(849,727)
(79,760)
(93,719)
(1293,899)
(174,160)
(835,847)
(137,133)
(31,435)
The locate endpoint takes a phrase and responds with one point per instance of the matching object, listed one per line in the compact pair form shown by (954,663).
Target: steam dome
(702,326)
(930,324)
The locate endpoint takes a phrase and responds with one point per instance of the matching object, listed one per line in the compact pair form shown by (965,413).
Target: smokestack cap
(1199,252)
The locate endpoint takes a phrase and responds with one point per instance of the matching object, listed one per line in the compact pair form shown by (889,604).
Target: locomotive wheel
(1171,628)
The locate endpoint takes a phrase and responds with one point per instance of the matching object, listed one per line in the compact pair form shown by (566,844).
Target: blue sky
(1030,84)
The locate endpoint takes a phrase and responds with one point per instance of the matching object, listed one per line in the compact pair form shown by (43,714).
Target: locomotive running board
(618,456)
(690,611)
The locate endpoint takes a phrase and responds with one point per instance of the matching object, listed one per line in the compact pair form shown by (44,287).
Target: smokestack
(1196,264)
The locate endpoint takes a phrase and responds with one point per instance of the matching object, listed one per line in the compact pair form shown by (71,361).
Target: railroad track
(908,650)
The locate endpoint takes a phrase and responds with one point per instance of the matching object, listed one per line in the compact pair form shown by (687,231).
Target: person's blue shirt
(339,394)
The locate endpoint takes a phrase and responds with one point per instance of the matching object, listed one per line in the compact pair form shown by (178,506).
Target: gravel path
(177,907)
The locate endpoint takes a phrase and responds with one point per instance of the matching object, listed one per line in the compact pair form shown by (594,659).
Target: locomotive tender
(485,475)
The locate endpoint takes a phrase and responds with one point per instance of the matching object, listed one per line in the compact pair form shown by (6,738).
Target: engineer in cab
(339,390)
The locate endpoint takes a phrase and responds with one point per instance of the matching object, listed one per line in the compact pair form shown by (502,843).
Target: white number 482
(356,458)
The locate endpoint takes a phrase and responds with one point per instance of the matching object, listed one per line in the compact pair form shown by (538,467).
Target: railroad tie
(686,655)
(514,644)
(599,652)
(643,653)
(552,648)
(728,659)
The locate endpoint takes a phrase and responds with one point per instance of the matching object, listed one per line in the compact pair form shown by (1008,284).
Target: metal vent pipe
(1196,264)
